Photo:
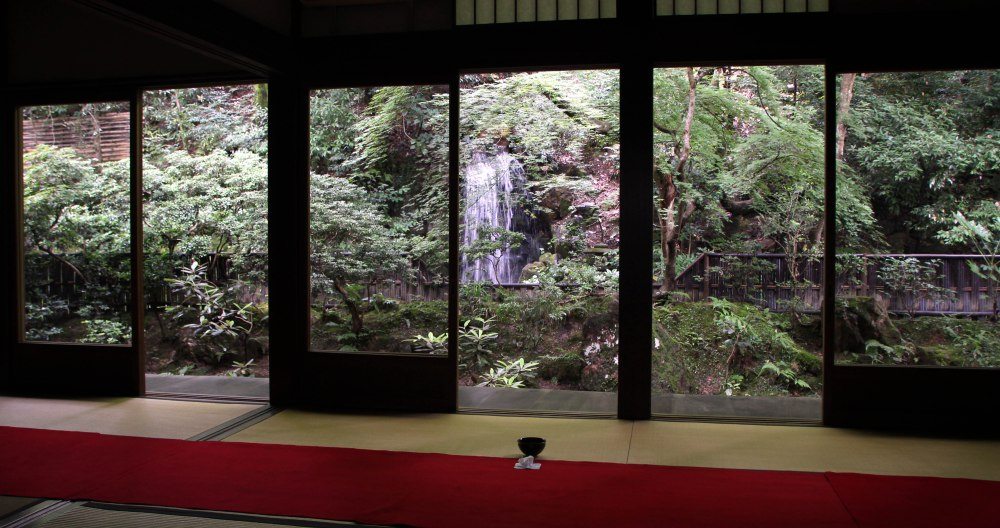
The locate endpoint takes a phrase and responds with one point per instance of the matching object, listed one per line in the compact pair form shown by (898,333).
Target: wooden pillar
(10,160)
(830,245)
(288,233)
(635,287)
(137,306)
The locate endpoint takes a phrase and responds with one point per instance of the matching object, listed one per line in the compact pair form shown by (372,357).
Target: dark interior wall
(389,16)
(57,41)
(914,6)
(275,15)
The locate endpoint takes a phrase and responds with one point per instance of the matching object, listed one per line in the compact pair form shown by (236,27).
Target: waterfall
(490,186)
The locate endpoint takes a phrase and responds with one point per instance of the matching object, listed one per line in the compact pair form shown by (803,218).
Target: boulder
(531,270)
(585,210)
(557,201)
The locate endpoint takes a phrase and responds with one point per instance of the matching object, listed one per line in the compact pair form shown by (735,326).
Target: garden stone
(861,319)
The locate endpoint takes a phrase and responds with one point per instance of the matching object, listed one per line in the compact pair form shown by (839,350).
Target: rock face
(557,201)
(861,319)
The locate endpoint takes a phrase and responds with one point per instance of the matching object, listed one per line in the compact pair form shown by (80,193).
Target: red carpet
(431,490)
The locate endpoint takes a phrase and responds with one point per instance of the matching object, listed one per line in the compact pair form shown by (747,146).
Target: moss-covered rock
(566,368)
(859,320)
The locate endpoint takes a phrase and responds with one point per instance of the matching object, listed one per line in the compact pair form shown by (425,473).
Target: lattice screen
(472,12)
(739,7)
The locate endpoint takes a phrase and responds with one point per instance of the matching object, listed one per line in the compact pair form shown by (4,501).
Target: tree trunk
(357,319)
(671,218)
(843,108)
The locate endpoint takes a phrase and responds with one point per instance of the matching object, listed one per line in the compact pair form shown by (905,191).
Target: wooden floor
(600,440)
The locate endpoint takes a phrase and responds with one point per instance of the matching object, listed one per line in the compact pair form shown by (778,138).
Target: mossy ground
(952,341)
(701,349)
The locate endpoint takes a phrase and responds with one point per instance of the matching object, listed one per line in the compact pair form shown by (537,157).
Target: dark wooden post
(288,233)
(137,306)
(636,301)
(10,160)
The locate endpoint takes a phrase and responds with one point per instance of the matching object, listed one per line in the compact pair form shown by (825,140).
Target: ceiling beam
(207,28)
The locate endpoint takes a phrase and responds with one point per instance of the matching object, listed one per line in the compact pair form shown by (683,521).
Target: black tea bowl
(531,445)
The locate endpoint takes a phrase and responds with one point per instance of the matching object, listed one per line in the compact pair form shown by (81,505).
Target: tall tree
(673,210)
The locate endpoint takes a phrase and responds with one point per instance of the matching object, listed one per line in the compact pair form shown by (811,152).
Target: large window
(379,219)
(739,7)
(918,219)
(471,12)
(738,241)
(539,242)
(205,236)
(76,218)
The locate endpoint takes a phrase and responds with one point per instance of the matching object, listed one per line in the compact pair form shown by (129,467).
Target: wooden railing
(771,288)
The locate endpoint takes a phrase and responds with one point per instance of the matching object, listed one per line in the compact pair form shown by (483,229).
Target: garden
(737,246)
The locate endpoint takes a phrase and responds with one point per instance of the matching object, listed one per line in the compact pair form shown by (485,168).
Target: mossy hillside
(722,348)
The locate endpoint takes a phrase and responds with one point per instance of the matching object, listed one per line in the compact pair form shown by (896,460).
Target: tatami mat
(9,505)
(599,440)
(811,449)
(457,434)
(92,515)
(659,443)
(120,416)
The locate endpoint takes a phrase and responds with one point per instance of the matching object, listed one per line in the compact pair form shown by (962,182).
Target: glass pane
(205,238)
(567,10)
(505,11)
(739,155)
(546,9)
(918,219)
(751,6)
(774,6)
(589,9)
(816,6)
(729,7)
(707,7)
(464,12)
(609,8)
(76,206)
(526,10)
(539,270)
(795,6)
(379,219)
(485,11)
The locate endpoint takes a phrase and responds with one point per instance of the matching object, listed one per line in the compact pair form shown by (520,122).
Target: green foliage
(721,347)
(491,244)
(215,315)
(106,331)
(510,374)
(879,353)
(242,369)
(476,346)
(430,343)
(540,115)
(980,231)
(76,217)
(201,120)
(926,143)
(785,374)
